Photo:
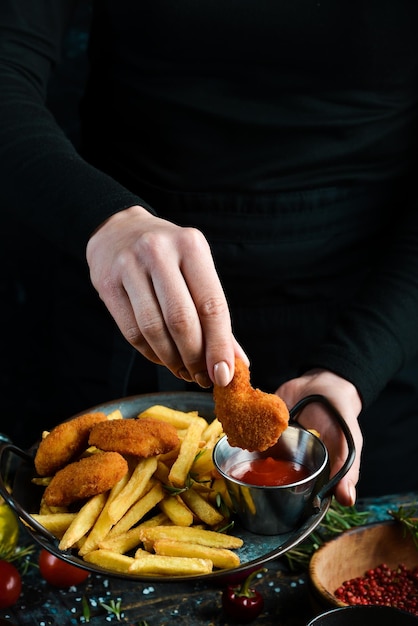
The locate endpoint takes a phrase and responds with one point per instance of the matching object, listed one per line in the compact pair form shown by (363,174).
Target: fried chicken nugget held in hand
(65,442)
(137,437)
(252,419)
(85,478)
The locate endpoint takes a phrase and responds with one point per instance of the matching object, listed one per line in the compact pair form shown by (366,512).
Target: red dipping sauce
(269,472)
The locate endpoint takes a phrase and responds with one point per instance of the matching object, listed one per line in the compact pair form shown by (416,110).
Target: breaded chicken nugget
(137,437)
(251,419)
(85,478)
(65,442)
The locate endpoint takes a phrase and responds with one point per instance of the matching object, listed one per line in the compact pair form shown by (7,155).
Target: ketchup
(269,472)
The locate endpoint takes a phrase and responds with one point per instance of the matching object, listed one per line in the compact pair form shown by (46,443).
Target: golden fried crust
(85,478)
(65,442)
(137,437)
(251,419)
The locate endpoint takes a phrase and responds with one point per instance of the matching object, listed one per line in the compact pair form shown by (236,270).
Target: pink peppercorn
(384,586)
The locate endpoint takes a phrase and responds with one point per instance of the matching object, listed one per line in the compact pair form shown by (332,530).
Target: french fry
(202,508)
(42,481)
(134,489)
(138,510)
(219,487)
(178,419)
(56,523)
(248,499)
(103,523)
(203,463)
(176,511)
(220,557)
(83,521)
(162,472)
(131,538)
(115,415)
(140,552)
(212,432)
(191,534)
(170,565)
(169,457)
(188,449)
(110,560)
(315,432)
(90,451)
(46,509)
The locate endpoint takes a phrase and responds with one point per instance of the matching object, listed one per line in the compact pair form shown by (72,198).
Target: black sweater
(225,97)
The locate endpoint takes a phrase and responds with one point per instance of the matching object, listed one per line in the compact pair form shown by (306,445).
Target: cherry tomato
(59,573)
(10,584)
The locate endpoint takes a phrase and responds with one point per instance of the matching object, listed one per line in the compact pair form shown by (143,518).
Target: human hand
(159,283)
(345,398)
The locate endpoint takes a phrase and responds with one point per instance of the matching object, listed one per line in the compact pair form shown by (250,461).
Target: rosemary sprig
(407,516)
(18,554)
(337,519)
(222,505)
(175,491)
(200,481)
(114,607)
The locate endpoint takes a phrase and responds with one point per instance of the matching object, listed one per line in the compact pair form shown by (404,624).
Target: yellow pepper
(9,528)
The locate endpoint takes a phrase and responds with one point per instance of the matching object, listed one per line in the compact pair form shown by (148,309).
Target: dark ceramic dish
(365,616)
(257,550)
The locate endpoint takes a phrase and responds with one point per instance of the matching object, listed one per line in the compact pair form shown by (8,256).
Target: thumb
(345,491)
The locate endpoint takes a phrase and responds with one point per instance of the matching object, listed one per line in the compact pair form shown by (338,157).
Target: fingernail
(184,374)
(352,492)
(222,374)
(203,380)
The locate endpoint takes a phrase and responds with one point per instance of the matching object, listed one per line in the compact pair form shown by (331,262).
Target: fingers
(186,318)
(346,400)
(119,306)
(336,444)
(162,288)
(345,491)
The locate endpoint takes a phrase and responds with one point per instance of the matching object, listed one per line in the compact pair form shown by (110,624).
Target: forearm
(44,182)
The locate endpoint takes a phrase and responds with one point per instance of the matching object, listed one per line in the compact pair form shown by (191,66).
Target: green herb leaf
(408,517)
(337,519)
(175,491)
(17,554)
(113,607)
(86,609)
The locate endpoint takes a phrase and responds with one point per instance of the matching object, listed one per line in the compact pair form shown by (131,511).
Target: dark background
(27,343)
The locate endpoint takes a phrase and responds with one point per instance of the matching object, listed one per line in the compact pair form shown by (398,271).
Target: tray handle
(329,486)
(5,450)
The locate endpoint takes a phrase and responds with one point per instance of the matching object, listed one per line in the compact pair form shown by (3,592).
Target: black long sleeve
(226,98)
(44,182)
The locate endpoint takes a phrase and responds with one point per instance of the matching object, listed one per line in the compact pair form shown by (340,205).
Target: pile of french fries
(166,517)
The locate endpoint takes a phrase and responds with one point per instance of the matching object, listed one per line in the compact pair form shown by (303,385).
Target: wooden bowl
(355,551)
